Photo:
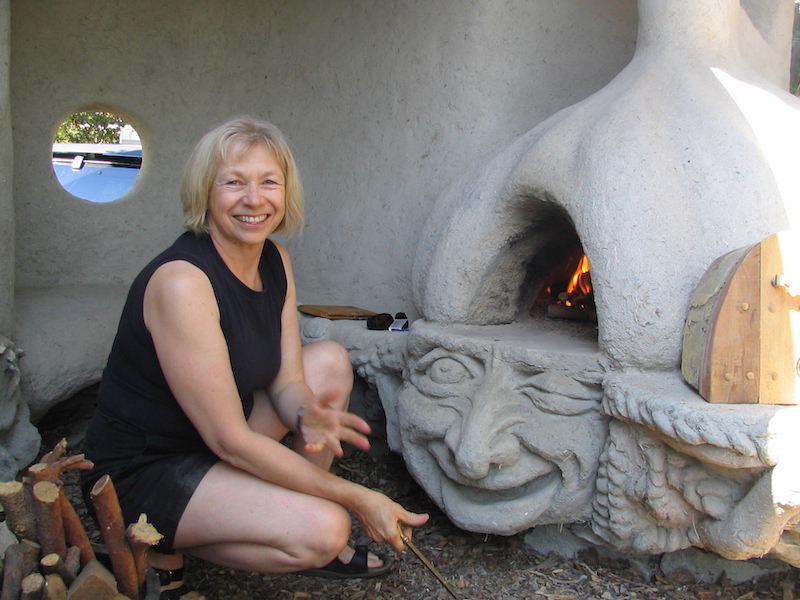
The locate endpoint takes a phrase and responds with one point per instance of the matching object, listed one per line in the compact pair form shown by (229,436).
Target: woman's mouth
(251,219)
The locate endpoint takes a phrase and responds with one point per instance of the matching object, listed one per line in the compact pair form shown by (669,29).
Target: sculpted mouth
(251,219)
(528,469)
(544,486)
(502,511)
(506,500)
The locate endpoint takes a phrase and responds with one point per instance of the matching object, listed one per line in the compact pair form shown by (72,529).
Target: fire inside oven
(567,291)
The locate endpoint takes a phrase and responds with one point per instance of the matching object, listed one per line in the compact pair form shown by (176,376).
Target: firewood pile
(51,557)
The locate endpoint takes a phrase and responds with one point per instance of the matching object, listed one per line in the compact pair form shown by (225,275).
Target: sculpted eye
(448,371)
(441,373)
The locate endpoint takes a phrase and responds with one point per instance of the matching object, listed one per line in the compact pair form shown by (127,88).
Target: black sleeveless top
(133,389)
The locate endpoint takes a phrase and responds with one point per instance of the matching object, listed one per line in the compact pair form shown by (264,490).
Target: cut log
(20,516)
(47,506)
(141,537)
(74,533)
(32,587)
(54,587)
(53,471)
(20,561)
(55,463)
(112,526)
(58,452)
(54,564)
(73,560)
(94,583)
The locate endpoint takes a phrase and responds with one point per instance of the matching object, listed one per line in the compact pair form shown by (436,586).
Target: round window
(96,156)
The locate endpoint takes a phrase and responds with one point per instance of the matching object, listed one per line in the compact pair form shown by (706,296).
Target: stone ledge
(66,334)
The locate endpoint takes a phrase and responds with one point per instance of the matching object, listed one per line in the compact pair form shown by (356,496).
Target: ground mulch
(478,566)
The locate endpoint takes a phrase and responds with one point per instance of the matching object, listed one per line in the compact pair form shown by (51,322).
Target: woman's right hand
(325,428)
(383,519)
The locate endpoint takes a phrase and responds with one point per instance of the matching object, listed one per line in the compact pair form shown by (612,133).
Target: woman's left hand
(384,519)
(324,427)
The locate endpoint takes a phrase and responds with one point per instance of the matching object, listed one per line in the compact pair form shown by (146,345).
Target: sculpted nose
(483,437)
(480,442)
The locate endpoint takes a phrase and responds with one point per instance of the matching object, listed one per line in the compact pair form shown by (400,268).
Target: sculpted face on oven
(498,444)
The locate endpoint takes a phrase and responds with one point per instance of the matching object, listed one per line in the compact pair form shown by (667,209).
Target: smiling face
(247,199)
(501,446)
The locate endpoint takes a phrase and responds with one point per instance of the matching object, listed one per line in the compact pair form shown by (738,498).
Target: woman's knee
(329,533)
(328,370)
(329,357)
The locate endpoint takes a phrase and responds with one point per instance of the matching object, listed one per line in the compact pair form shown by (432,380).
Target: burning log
(20,516)
(48,517)
(112,526)
(20,561)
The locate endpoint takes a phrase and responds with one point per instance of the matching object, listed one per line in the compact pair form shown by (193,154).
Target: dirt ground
(477,566)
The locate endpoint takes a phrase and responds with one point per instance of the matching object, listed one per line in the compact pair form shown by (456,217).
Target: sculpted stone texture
(509,423)
(504,436)
(19,440)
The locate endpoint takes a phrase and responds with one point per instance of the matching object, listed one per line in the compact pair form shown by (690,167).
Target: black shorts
(152,474)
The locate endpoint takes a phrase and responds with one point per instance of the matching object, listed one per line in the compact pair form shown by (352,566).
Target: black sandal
(358,567)
(167,577)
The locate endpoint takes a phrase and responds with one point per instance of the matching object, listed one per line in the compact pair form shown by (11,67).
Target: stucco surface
(6,169)
(383,103)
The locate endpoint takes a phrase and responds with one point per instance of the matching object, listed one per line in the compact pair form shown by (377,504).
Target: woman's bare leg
(236,520)
(305,532)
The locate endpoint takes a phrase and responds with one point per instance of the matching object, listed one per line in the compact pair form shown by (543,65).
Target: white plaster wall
(384,103)
(6,168)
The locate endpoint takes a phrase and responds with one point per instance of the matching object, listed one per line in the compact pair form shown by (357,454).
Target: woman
(207,375)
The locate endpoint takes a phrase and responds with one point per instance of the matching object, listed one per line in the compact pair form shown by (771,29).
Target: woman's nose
(252,193)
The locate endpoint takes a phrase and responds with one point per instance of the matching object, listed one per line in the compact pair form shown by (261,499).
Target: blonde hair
(225,144)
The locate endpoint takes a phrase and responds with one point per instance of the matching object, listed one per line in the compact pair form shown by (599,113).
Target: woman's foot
(169,568)
(352,564)
(373,560)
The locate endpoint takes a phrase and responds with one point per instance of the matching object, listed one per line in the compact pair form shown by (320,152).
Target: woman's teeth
(257,219)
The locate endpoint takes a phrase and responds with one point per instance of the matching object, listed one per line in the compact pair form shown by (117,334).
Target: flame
(579,286)
(581,281)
